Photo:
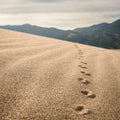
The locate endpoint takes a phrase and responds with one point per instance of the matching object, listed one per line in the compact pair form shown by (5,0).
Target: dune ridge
(47,79)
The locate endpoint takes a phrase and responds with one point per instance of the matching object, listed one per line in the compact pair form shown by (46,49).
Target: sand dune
(47,79)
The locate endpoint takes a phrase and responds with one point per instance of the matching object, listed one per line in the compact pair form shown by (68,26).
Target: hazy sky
(65,14)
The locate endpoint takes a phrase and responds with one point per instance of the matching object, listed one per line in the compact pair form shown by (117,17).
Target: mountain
(101,35)
(32,29)
(113,27)
(91,29)
(68,35)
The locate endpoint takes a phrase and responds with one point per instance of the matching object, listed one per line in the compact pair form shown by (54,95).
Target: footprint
(80,79)
(82,72)
(85,92)
(83,67)
(89,94)
(83,62)
(79,108)
(80,65)
(88,74)
(84,81)
(82,110)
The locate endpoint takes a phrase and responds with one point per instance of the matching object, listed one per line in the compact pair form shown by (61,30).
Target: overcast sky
(65,14)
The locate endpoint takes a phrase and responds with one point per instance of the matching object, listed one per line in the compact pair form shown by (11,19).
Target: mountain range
(101,35)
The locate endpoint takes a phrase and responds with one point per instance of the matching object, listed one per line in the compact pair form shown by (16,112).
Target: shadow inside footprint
(82,71)
(79,108)
(84,92)
(84,67)
(88,74)
(84,62)
(80,65)
(80,79)
(89,94)
(85,81)
(82,110)
(92,96)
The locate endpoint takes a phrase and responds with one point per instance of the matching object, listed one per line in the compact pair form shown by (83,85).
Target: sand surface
(47,79)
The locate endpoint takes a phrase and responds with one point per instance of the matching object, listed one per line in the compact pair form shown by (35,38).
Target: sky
(63,14)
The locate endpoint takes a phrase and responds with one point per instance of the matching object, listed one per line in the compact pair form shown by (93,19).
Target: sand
(46,79)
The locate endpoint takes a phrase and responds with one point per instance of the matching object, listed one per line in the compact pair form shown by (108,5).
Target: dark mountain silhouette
(48,32)
(101,35)
(91,29)
(113,27)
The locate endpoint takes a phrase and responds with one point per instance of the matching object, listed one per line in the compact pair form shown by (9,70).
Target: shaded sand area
(46,79)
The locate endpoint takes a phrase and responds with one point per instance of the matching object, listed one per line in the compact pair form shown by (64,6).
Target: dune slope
(47,79)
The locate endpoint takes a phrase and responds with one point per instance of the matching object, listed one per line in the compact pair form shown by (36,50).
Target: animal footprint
(84,81)
(82,110)
(89,94)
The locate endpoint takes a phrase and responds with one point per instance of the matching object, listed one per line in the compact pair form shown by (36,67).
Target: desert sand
(47,79)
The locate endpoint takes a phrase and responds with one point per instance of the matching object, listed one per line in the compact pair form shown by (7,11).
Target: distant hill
(32,29)
(113,27)
(68,35)
(101,35)
(91,29)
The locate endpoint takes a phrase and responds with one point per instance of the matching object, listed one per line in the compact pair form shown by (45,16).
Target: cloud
(59,12)
(39,1)
(53,6)
(45,0)
(115,15)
